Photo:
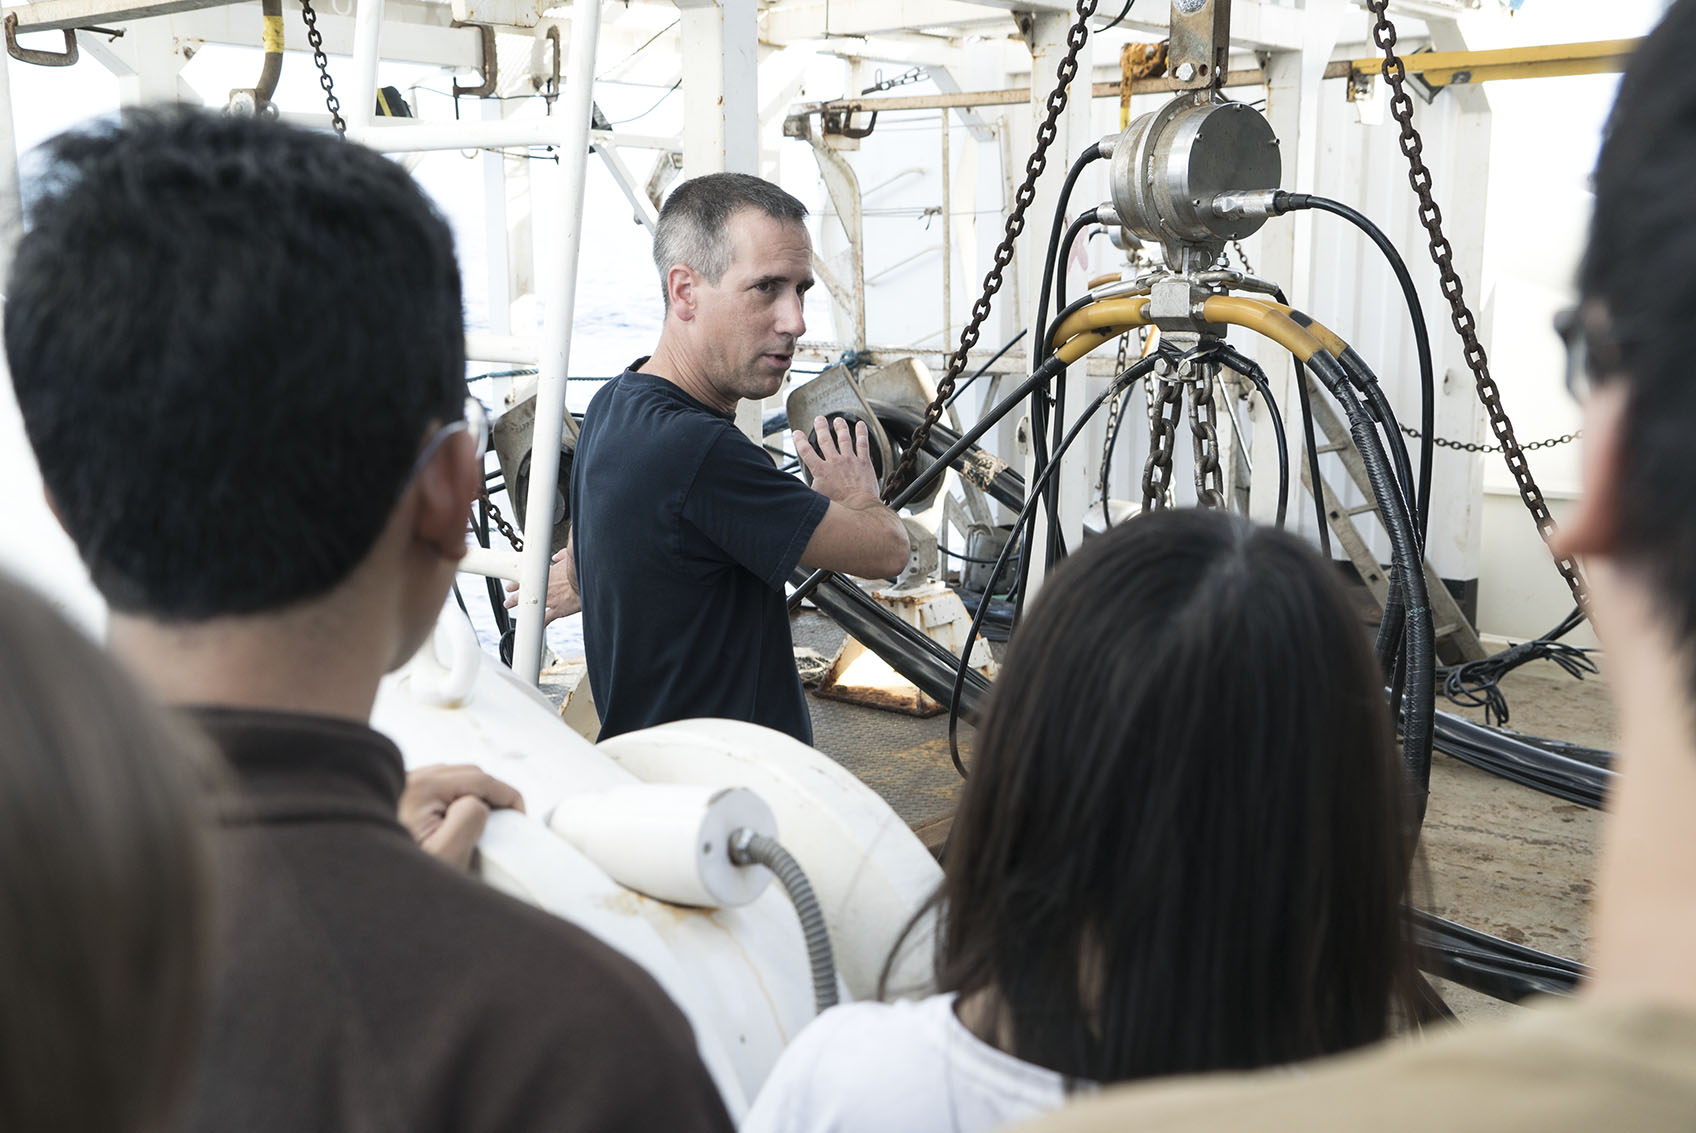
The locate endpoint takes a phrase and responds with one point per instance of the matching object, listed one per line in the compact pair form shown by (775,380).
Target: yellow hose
(1085,330)
(1270,321)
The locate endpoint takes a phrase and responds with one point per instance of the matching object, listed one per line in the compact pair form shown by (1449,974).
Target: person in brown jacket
(1623,1054)
(238,351)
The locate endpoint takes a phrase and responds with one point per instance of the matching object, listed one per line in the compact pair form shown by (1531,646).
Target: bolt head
(1185,72)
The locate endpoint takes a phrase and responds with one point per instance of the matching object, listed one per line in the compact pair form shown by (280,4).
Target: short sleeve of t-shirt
(760,517)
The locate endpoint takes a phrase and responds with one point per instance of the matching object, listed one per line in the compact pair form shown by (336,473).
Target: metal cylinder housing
(1170,164)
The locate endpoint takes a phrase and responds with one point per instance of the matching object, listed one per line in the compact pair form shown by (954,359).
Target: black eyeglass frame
(1594,352)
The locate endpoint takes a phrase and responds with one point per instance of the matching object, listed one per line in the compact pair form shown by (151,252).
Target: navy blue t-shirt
(684,534)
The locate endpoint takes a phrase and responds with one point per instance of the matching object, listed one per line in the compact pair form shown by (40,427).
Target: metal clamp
(836,119)
(40,58)
(490,66)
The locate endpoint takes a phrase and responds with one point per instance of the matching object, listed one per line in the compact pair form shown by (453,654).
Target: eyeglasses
(475,421)
(1592,348)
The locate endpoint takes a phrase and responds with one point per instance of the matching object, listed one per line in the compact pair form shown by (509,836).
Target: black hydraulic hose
(1509,757)
(1248,369)
(983,369)
(1041,349)
(1134,374)
(922,480)
(1285,202)
(1004,485)
(1418,645)
(1092,152)
(908,651)
(1379,406)
(1052,502)
(1488,964)
(750,848)
(1311,442)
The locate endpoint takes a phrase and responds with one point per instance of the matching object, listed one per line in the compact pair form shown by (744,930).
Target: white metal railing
(568,129)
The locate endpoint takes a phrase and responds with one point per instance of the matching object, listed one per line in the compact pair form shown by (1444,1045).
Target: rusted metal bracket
(549,87)
(836,119)
(491,70)
(37,57)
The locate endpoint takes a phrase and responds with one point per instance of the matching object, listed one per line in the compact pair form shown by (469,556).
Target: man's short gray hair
(692,225)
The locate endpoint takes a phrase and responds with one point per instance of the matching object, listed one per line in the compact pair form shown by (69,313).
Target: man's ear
(1594,526)
(444,489)
(680,287)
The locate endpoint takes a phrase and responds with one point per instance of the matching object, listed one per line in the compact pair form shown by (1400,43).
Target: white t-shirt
(885,1067)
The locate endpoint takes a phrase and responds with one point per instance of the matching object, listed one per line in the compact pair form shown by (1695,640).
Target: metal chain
(499,520)
(1472,446)
(1114,408)
(1204,436)
(1046,132)
(324,80)
(1442,254)
(1242,256)
(1162,439)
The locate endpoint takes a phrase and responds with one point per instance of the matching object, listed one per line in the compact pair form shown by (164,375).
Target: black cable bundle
(1521,761)
(1476,684)
(1498,968)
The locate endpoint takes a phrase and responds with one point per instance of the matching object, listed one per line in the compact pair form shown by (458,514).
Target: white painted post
(1278,244)
(721,110)
(557,275)
(1454,548)
(11,219)
(359,106)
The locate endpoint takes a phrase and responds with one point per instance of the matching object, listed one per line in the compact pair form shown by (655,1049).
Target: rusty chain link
(499,520)
(1046,132)
(1242,256)
(1162,439)
(1114,408)
(1442,254)
(1473,446)
(317,41)
(1204,436)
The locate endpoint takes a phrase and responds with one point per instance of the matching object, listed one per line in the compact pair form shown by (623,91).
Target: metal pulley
(1189,176)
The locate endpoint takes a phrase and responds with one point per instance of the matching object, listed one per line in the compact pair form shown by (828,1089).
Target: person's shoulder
(851,1068)
(1549,1070)
(566,1015)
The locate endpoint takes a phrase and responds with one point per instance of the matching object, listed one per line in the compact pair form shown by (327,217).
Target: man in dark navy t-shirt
(682,530)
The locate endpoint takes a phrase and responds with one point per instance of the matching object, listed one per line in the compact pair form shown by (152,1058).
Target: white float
(740,972)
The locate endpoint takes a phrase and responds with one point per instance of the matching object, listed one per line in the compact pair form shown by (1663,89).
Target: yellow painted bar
(1439,68)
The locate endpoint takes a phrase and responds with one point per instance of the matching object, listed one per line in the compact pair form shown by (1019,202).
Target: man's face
(747,324)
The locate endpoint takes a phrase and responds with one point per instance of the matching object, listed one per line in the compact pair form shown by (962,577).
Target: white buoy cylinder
(670,841)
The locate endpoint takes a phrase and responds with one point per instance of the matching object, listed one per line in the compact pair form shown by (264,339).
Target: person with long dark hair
(1181,848)
(105,887)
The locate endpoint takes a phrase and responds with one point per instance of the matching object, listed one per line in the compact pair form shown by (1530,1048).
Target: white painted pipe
(490,563)
(11,223)
(361,102)
(481,347)
(557,269)
(410,136)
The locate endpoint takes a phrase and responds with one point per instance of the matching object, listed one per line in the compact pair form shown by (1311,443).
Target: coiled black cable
(1413,612)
